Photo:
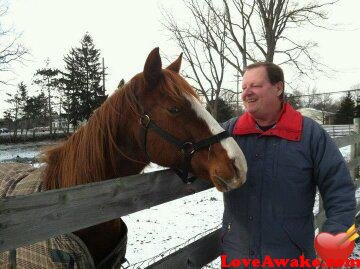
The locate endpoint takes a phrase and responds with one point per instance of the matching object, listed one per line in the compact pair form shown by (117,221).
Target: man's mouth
(250,100)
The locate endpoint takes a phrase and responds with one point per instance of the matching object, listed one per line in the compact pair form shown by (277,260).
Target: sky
(126,31)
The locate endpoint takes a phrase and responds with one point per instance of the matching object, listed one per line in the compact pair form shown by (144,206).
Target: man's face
(260,97)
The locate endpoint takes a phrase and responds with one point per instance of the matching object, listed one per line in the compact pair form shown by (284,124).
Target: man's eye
(174,110)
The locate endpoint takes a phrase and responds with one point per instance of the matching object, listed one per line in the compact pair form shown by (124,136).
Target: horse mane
(93,150)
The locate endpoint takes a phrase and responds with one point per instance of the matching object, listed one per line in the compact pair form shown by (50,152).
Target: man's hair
(274,73)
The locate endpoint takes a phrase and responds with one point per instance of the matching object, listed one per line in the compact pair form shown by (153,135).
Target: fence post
(321,213)
(12,258)
(355,149)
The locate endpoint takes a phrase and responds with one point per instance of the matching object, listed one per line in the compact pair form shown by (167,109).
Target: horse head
(188,132)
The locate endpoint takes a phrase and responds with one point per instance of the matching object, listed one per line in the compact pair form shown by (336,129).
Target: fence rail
(339,130)
(55,212)
(6,138)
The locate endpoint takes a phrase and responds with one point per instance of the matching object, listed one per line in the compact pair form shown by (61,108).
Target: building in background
(321,117)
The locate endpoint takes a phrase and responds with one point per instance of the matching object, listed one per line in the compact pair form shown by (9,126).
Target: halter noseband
(187,148)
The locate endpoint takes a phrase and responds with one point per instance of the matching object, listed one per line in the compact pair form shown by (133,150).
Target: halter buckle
(189,179)
(188,148)
(145,120)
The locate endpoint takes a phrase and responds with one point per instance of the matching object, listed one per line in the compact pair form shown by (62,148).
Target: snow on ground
(345,151)
(160,228)
(23,150)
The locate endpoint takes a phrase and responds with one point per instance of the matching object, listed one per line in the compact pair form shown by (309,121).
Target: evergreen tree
(294,99)
(345,113)
(224,110)
(17,102)
(83,89)
(35,111)
(8,121)
(23,94)
(72,99)
(121,83)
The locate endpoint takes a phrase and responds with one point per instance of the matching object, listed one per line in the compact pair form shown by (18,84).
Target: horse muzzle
(231,177)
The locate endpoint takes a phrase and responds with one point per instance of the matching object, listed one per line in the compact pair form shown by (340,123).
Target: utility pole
(237,90)
(60,118)
(103,73)
(49,104)
(60,106)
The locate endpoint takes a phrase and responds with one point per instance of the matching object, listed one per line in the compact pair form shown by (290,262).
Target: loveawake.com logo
(333,250)
(301,262)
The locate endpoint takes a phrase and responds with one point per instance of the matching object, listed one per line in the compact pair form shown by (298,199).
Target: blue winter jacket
(272,213)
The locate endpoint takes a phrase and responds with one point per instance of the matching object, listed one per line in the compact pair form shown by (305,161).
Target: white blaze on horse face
(230,146)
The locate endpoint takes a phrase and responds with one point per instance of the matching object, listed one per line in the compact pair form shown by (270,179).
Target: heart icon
(327,246)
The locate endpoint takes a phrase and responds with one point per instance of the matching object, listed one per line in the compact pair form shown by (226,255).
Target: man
(288,155)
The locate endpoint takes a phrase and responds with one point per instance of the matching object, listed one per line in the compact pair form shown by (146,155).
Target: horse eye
(174,110)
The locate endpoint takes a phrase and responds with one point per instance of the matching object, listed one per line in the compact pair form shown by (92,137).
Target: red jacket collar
(288,127)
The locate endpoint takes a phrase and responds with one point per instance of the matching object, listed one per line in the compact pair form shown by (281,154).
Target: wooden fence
(6,138)
(51,213)
(339,130)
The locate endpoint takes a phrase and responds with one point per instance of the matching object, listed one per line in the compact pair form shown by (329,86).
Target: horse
(155,117)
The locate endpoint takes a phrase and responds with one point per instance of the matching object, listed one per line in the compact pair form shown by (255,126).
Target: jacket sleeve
(334,182)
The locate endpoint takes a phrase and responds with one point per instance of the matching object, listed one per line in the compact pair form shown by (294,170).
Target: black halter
(187,148)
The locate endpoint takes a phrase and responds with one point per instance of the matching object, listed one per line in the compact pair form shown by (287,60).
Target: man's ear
(152,68)
(279,87)
(175,66)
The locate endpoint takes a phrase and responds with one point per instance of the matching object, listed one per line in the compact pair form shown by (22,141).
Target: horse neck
(104,148)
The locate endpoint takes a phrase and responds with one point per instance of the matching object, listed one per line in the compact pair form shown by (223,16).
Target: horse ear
(152,68)
(175,66)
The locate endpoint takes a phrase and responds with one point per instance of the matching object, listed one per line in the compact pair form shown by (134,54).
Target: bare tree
(310,97)
(262,29)
(325,104)
(50,80)
(11,50)
(241,32)
(203,46)
(294,99)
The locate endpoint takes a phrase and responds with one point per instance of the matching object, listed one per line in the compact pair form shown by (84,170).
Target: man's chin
(252,109)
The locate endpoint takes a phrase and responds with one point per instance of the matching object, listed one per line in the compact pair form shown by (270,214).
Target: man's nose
(246,91)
